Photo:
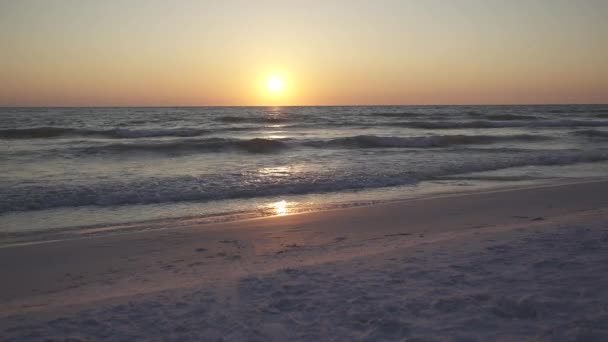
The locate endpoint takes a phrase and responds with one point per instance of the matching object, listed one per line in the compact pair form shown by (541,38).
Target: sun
(275,84)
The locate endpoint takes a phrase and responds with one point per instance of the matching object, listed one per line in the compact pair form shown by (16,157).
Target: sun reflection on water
(278,171)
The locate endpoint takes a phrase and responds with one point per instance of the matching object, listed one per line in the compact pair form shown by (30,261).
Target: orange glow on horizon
(276,54)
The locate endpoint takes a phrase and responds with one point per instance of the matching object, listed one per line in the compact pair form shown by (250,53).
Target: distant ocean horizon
(293,106)
(82,166)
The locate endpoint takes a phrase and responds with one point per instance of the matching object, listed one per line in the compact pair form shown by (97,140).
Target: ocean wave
(152,133)
(502,116)
(398,114)
(157,190)
(260,145)
(510,117)
(256,145)
(592,133)
(117,133)
(492,121)
(571,110)
(499,124)
(248,119)
(36,132)
(372,141)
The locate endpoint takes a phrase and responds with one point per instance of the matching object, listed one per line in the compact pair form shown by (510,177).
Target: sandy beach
(293,171)
(512,264)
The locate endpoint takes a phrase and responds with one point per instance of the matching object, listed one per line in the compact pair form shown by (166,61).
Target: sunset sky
(166,53)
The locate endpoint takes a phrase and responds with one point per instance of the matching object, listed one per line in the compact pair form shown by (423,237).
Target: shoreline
(226,262)
(16,238)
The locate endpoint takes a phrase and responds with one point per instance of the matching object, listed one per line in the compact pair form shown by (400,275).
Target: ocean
(75,168)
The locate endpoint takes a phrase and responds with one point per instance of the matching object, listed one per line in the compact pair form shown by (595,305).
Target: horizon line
(322,105)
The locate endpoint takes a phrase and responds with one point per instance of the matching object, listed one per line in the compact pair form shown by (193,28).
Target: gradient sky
(152,52)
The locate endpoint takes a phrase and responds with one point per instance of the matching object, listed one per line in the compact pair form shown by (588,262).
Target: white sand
(507,265)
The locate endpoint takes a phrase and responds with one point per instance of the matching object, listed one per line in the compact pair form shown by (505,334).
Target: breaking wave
(156,190)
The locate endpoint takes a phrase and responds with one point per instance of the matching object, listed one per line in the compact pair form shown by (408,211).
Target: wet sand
(500,264)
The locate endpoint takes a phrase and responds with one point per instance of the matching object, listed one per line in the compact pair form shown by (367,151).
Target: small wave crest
(500,124)
(572,110)
(256,119)
(261,145)
(592,133)
(117,133)
(372,141)
(510,117)
(501,116)
(398,114)
(256,145)
(148,190)
(36,132)
(152,133)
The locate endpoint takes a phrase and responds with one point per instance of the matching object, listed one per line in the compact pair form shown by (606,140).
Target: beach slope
(500,265)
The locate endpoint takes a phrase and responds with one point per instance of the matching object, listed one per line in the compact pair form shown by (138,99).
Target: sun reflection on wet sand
(280,208)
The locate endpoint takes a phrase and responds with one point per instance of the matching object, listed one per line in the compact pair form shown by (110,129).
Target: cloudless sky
(154,52)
